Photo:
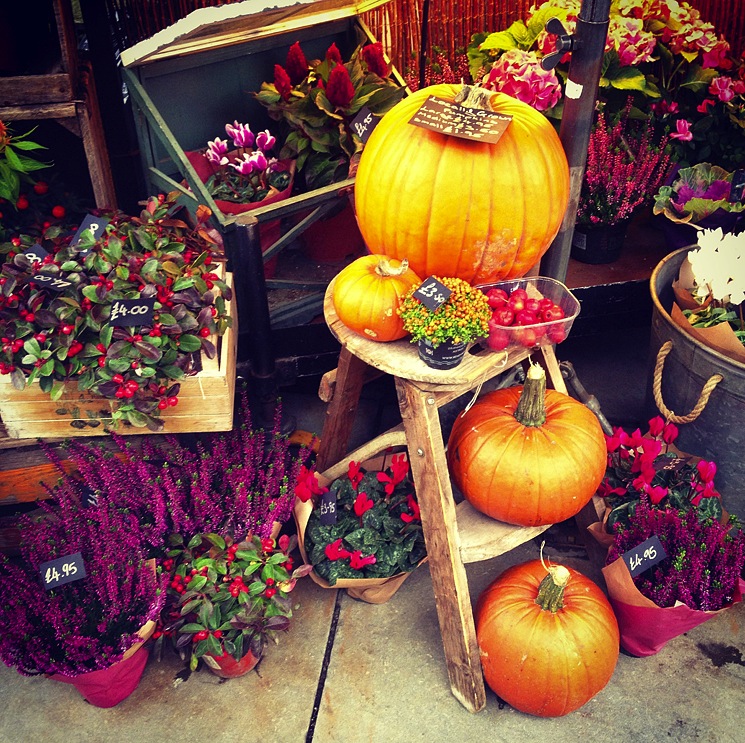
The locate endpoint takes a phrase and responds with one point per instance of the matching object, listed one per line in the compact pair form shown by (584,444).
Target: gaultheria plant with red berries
(316,102)
(83,625)
(378,530)
(229,597)
(55,336)
(648,467)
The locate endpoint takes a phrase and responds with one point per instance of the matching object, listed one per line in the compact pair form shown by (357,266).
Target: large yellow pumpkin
(456,207)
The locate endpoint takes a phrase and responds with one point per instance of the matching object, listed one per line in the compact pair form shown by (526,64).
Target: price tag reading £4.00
(644,556)
(131,312)
(432,293)
(62,570)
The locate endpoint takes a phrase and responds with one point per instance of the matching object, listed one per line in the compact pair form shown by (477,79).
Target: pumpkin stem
(531,408)
(472,96)
(384,268)
(551,591)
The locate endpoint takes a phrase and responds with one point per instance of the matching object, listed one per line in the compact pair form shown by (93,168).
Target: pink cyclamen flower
(254,162)
(357,561)
(362,504)
(656,494)
(656,425)
(519,74)
(241,134)
(216,151)
(706,470)
(703,107)
(265,141)
(683,131)
(669,433)
(721,87)
(613,442)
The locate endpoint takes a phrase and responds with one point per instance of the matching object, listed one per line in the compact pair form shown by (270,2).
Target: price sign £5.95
(62,570)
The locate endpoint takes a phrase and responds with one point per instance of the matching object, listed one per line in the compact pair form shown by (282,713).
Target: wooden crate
(205,401)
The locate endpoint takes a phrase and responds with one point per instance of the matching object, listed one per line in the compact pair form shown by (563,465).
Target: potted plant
(697,198)
(710,293)
(462,318)
(60,328)
(625,167)
(699,575)
(316,102)
(232,597)
(362,531)
(81,601)
(651,466)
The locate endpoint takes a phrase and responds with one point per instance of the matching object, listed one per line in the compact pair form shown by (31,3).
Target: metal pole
(576,122)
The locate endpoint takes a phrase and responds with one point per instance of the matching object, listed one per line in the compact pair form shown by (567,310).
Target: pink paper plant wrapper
(645,627)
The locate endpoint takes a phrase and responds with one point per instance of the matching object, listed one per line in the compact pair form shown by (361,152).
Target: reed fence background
(398,23)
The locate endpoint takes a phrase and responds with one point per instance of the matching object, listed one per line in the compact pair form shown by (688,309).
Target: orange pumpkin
(527,455)
(456,207)
(367,293)
(548,638)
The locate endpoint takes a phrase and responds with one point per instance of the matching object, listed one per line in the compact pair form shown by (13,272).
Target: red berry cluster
(126,388)
(518,317)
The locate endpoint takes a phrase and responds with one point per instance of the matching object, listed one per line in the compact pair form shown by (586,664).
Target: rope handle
(703,398)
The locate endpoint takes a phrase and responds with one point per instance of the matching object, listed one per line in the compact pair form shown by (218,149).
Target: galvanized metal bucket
(695,381)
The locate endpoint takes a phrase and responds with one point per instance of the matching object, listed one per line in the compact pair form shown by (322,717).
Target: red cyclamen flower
(362,504)
(413,506)
(357,561)
(339,89)
(333,54)
(669,433)
(307,486)
(296,64)
(354,474)
(334,550)
(373,56)
(706,470)
(656,425)
(282,82)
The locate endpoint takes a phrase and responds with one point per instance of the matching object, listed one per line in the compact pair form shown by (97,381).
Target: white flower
(718,266)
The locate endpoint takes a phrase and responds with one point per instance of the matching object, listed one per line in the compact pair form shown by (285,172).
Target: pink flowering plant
(649,468)
(704,557)
(378,530)
(677,68)
(625,167)
(245,172)
(316,101)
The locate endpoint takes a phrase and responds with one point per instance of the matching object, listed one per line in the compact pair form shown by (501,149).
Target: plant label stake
(432,293)
(62,570)
(364,123)
(737,190)
(35,253)
(51,282)
(327,508)
(95,224)
(132,312)
(644,556)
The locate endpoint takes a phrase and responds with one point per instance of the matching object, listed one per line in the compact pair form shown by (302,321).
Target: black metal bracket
(565,42)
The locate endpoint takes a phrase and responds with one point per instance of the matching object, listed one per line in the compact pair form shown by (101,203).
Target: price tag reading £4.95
(644,556)
(62,570)
(432,293)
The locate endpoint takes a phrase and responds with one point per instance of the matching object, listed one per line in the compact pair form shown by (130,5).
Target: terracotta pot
(109,686)
(227,667)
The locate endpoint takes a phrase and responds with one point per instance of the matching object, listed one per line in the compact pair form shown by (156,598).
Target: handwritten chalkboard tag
(449,118)
(644,556)
(132,312)
(364,123)
(432,294)
(51,282)
(737,189)
(62,570)
(96,225)
(35,253)
(88,497)
(327,508)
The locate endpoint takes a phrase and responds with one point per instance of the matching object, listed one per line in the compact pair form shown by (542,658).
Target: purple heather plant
(234,484)
(87,624)
(705,558)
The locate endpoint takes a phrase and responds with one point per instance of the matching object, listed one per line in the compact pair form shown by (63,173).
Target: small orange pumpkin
(527,455)
(367,294)
(457,207)
(548,638)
